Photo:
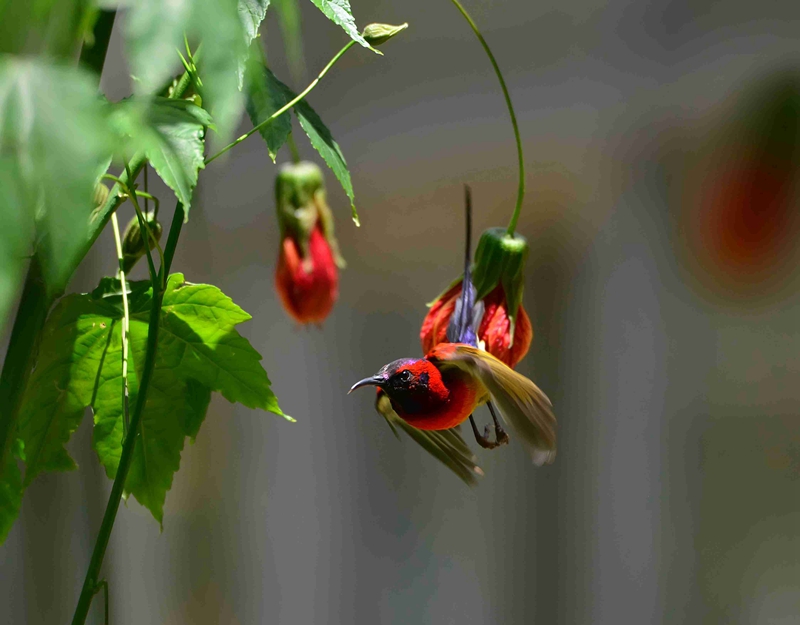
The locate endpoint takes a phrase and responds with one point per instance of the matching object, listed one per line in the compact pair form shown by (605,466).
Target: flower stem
(521,187)
(284,108)
(293,148)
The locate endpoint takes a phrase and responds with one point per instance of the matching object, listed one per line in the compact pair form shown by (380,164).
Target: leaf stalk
(285,107)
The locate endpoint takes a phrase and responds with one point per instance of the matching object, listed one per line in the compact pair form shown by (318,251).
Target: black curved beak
(370,381)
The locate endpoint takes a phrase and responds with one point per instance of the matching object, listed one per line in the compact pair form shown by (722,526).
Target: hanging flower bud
(377,34)
(504,329)
(133,241)
(307,277)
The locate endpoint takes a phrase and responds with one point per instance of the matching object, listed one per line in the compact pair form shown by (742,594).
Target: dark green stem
(521,187)
(28,323)
(128,445)
(172,240)
(94,57)
(125,460)
(286,106)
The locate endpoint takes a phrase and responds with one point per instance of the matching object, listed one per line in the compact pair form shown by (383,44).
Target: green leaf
(265,95)
(16,232)
(339,12)
(199,325)
(154,30)
(54,136)
(252,13)
(324,143)
(217,24)
(80,364)
(155,33)
(317,131)
(74,343)
(10,493)
(170,133)
(54,27)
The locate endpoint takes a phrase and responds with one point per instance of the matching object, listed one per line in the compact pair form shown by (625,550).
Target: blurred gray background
(675,497)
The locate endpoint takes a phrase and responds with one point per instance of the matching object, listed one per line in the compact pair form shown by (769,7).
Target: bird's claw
(501,438)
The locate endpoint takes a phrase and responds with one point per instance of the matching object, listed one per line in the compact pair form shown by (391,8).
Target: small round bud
(133,242)
(100,195)
(377,34)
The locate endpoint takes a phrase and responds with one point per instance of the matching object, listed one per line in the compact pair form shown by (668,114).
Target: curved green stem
(286,107)
(521,187)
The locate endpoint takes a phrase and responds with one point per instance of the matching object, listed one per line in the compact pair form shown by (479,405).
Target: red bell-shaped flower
(504,328)
(307,276)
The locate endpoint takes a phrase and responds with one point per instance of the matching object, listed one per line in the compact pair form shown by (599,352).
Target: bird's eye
(405,375)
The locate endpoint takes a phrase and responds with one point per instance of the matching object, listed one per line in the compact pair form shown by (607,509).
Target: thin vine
(512,226)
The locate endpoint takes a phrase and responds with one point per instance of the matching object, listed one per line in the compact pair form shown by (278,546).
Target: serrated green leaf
(265,95)
(328,149)
(74,343)
(170,133)
(198,398)
(162,428)
(199,325)
(339,12)
(317,132)
(252,13)
(217,24)
(80,365)
(156,32)
(54,135)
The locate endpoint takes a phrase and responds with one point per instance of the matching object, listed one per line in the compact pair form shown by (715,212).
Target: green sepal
(500,259)
(376,34)
(301,203)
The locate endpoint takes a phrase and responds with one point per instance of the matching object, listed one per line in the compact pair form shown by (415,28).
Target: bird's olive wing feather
(520,401)
(446,446)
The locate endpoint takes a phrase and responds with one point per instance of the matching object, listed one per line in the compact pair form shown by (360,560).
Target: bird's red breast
(453,395)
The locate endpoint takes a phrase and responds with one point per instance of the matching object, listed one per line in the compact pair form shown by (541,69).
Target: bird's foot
(500,436)
(485,441)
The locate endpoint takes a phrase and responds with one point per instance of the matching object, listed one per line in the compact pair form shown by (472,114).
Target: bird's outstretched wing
(520,401)
(446,446)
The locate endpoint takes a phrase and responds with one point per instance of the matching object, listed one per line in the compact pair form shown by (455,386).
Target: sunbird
(435,394)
